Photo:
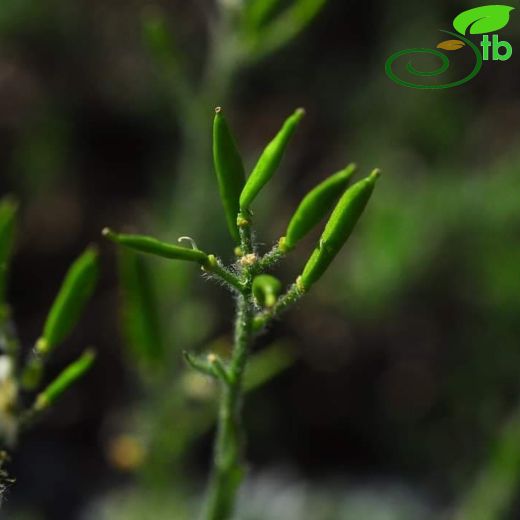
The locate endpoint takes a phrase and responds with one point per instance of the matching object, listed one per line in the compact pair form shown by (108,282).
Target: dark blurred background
(401,392)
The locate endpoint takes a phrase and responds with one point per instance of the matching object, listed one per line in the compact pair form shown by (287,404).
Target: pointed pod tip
(108,233)
(90,352)
(376,173)
(348,170)
(92,248)
(300,112)
(218,110)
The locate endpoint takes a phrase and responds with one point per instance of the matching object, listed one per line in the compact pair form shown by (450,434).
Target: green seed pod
(8,210)
(145,244)
(338,228)
(139,313)
(230,172)
(269,160)
(315,205)
(266,289)
(256,12)
(75,290)
(65,379)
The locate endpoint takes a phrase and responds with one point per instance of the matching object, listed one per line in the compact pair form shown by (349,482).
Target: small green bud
(202,365)
(230,172)
(65,379)
(269,160)
(75,290)
(338,228)
(315,205)
(146,244)
(8,209)
(266,289)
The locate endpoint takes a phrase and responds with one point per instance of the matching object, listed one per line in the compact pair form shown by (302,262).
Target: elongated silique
(269,160)
(70,301)
(65,379)
(230,172)
(338,228)
(146,244)
(315,205)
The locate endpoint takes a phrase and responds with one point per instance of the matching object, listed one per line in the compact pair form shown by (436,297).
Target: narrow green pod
(269,160)
(75,290)
(146,244)
(139,314)
(315,205)
(257,12)
(8,209)
(65,380)
(266,289)
(230,172)
(338,228)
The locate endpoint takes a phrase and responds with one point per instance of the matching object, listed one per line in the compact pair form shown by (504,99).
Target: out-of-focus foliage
(415,364)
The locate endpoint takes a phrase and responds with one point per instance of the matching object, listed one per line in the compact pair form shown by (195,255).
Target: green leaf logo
(481,20)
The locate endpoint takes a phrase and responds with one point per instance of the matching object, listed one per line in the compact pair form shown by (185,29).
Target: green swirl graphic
(445,63)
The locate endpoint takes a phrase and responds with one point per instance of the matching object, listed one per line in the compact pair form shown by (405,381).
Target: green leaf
(65,380)
(315,205)
(74,293)
(139,314)
(8,209)
(266,289)
(230,172)
(484,19)
(269,160)
(146,244)
(338,228)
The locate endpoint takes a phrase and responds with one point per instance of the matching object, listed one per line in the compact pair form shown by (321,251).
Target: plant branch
(262,319)
(230,279)
(270,259)
(228,467)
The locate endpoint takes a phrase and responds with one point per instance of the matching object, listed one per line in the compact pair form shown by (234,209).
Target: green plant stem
(228,467)
(225,275)
(270,259)
(246,239)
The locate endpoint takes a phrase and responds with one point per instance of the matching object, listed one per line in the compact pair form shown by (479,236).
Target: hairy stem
(228,467)
(261,320)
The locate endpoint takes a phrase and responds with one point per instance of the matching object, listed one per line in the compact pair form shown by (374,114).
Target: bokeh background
(392,391)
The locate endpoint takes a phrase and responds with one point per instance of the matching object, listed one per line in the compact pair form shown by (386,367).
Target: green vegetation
(257,293)
(21,378)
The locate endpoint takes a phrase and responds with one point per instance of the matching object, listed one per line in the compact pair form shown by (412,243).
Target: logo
(480,20)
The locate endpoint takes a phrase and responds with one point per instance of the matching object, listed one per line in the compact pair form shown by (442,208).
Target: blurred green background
(392,391)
